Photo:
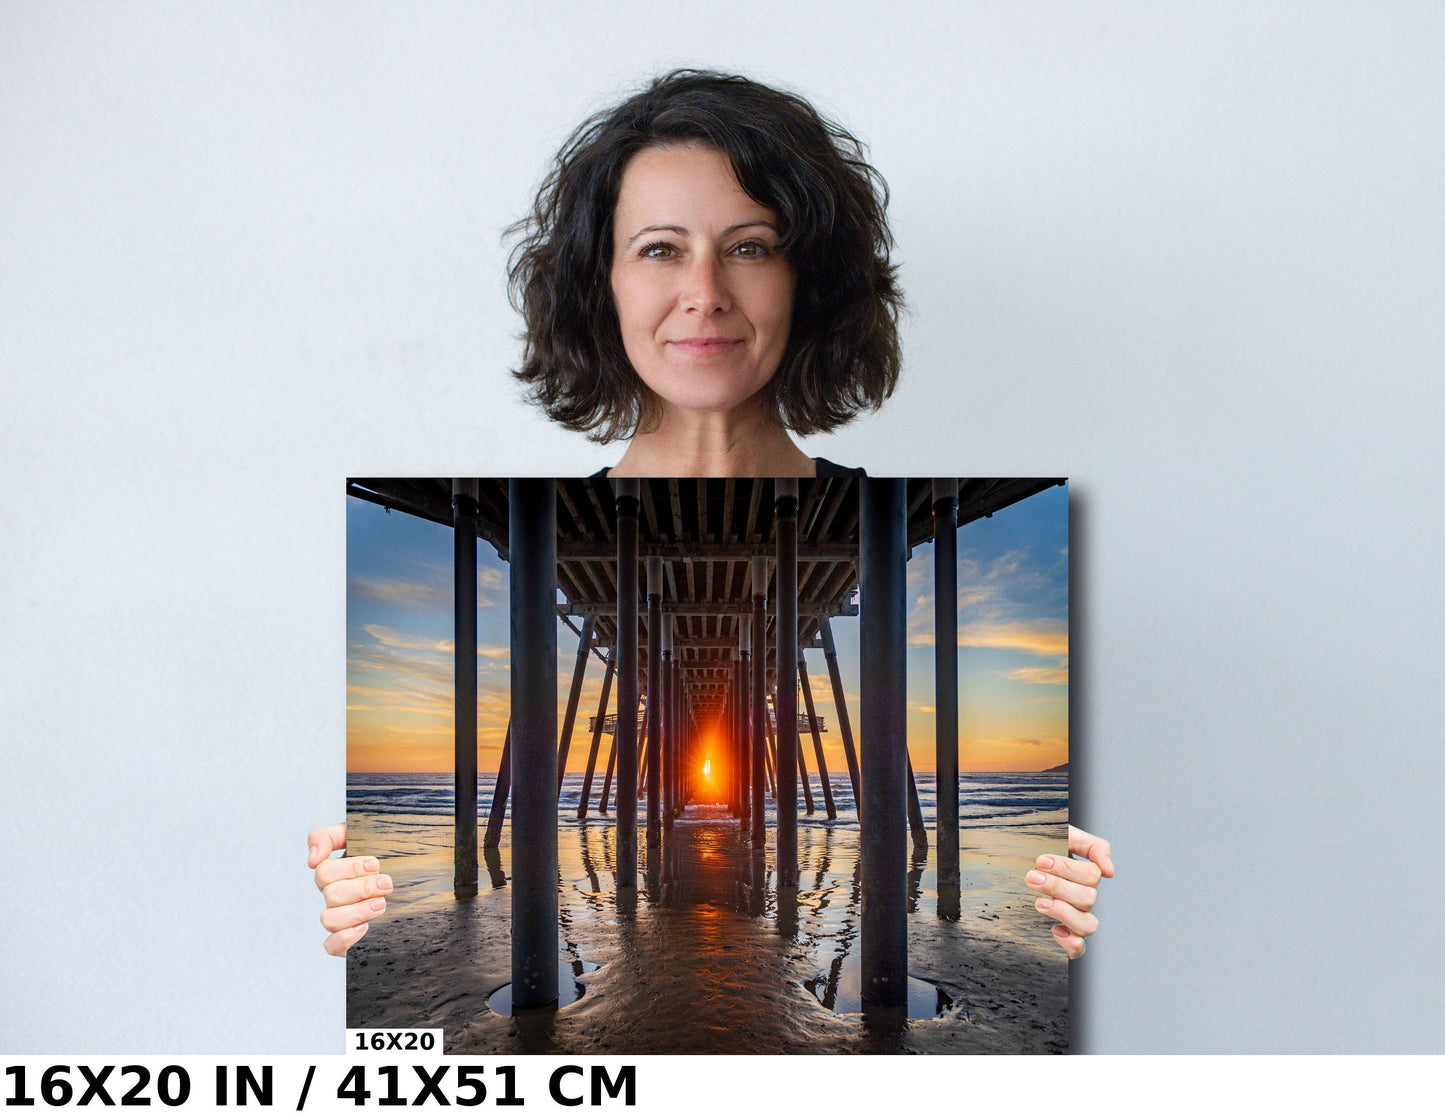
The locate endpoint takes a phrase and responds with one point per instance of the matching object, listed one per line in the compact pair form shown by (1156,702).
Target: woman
(706,272)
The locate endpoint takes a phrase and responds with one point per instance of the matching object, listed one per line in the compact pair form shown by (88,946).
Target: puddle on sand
(569,988)
(841,989)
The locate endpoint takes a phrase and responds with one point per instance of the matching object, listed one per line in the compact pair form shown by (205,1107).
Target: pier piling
(758,570)
(845,727)
(802,756)
(668,764)
(785,513)
(744,720)
(828,803)
(626,735)
(883,618)
(597,733)
(533,564)
(945,663)
(579,671)
(497,816)
(464,585)
(655,703)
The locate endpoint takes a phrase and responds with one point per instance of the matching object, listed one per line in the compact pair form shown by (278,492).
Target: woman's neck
(741,443)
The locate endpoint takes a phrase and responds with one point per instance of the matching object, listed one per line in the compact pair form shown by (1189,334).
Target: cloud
(416,595)
(433,594)
(986,591)
(401,662)
(1046,675)
(991,743)
(389,637)
(1043,637)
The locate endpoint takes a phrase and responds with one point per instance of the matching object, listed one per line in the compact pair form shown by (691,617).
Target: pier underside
(703,599)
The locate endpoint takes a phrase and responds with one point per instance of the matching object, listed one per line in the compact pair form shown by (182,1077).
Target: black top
(825,469)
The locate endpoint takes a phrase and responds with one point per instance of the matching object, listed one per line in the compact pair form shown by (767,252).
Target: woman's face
(702,294)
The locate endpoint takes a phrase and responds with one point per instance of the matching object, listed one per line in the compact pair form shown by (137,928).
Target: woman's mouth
(706,346)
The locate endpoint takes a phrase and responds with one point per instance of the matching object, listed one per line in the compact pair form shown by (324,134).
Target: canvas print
(709,765)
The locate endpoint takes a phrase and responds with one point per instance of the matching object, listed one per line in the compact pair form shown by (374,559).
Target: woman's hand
(355,888)
(1070,888)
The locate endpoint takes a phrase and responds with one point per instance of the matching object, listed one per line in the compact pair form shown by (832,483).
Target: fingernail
(1045,903)
(384,882)
(1035,877)
(312,856)
(1046,862)
(361,929)
(370,865)
(378,903)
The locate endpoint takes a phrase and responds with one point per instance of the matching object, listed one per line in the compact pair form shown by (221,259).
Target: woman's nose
(705,286)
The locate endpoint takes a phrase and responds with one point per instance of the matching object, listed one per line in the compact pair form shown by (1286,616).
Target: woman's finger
(1079,922)
(1095,848)
(352,889)
(1073,944)
(349,915)
(1080,872)
(340,868)
(1079,895)
(320,844)
(339,943)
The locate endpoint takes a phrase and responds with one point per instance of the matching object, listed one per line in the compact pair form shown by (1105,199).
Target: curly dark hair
(842,355)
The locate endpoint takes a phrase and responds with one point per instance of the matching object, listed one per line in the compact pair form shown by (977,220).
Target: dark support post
(497,816)
(745,752)
(817,737)
(684,736)
(758,569)
(733,713)
(611,766)
(533,561)
(464,741)
(727,718)
(579,672)
(884,723)
(597,733)
(642,749)
(669,726)
(915,812)
(676,765)
(770,754)
(802,759)
(625,740)
(654,700)
(785,514)
(945,662)
(845,727)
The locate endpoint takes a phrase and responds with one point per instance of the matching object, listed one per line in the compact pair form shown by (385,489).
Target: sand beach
(709,956)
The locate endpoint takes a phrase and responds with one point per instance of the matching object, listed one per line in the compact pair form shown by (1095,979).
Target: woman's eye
(659,250)
(751,249)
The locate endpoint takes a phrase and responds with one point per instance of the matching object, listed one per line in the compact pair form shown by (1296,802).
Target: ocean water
(1020,801)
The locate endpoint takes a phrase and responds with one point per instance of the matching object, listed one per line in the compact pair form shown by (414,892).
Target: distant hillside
(1064,767)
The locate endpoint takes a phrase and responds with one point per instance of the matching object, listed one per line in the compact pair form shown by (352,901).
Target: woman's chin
(703,401)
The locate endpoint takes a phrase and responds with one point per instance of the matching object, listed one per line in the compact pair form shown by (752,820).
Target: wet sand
(709,956)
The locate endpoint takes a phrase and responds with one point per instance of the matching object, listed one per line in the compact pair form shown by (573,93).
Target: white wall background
(1188,256)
